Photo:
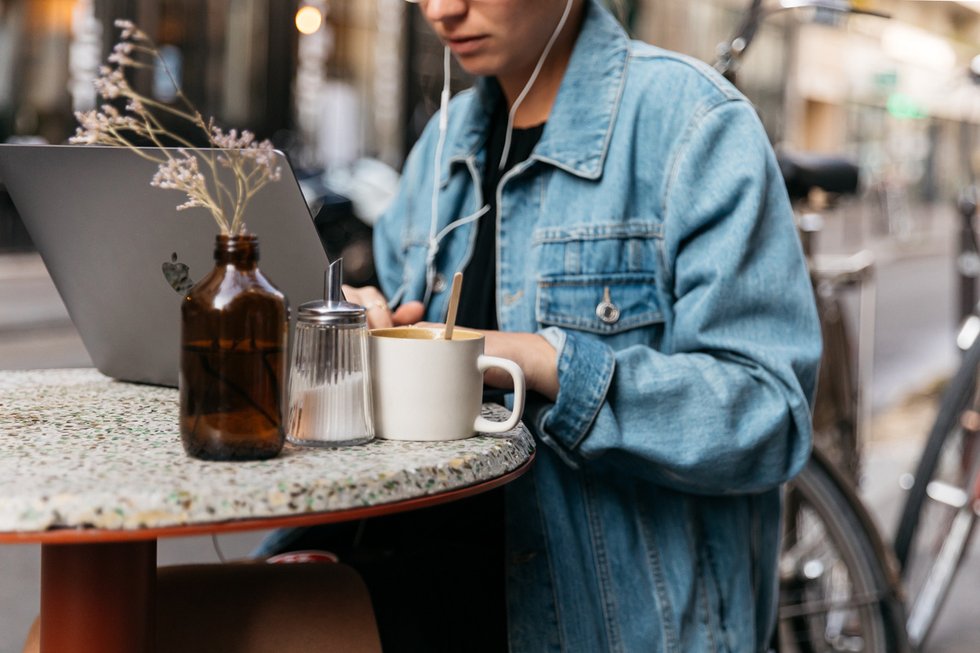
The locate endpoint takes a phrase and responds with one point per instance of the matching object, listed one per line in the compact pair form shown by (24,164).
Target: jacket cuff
(585,371)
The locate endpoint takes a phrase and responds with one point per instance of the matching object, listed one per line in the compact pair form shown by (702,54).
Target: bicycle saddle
(804,172)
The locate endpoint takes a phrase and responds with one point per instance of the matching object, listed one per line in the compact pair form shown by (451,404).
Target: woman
(636,254)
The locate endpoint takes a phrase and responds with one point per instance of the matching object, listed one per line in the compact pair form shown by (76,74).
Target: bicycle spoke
(810,608)
(792,559)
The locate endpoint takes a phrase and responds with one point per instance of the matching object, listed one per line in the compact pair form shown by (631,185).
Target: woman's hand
(379,315)
(534,354)
(531,352)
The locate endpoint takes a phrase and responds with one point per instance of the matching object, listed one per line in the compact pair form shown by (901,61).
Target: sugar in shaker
(330,379)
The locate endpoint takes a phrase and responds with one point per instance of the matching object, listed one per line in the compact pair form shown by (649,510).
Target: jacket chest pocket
(598,278)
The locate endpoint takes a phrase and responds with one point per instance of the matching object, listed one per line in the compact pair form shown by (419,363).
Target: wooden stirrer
(453,305)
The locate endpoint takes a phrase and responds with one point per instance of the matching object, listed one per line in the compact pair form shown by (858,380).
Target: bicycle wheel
(834,592)
(938,519)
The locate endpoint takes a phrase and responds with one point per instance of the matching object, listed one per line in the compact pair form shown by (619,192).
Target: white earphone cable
(436,237)
(530,82)
(430,270)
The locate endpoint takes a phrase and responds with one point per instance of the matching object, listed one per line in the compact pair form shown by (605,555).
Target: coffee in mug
(431,389)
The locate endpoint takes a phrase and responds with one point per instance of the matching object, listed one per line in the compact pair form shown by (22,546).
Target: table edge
(102,535)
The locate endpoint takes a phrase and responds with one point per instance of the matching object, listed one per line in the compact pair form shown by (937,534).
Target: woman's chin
(480,64)
(476,68)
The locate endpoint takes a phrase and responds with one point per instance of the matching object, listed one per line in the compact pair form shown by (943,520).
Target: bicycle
(860,608)
(839,588)
(940,513)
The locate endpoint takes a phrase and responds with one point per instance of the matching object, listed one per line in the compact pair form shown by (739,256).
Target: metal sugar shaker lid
(333,309)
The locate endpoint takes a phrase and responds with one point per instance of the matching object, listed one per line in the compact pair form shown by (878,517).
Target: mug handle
(484,425)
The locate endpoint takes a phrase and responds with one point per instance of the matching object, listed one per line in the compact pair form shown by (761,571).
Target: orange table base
(98,597)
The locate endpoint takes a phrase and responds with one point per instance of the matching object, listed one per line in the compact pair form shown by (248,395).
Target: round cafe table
(93,470)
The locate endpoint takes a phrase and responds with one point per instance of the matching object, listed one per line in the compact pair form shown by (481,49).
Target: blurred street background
(344,87)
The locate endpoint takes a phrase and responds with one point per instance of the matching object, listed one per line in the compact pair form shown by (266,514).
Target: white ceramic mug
(431,389)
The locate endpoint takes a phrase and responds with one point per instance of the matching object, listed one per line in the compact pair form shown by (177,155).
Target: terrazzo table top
(79,450)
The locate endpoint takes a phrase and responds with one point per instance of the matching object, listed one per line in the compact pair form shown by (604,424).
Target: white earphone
(436,238)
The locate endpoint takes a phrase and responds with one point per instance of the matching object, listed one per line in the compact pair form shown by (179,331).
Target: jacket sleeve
(726,410)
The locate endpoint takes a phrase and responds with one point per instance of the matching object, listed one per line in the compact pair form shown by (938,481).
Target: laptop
(117,248)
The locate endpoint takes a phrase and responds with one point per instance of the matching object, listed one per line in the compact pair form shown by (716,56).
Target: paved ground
(35,330)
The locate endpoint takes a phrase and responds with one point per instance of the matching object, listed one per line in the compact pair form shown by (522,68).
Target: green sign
(903,107)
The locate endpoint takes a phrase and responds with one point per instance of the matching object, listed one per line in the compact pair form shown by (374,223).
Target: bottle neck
(240,251)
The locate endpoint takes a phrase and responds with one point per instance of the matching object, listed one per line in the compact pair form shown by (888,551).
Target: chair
(259,608)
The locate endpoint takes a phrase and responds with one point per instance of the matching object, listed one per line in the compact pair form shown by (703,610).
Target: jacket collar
(577,134)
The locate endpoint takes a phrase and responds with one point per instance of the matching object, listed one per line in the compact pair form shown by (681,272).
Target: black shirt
(478,296)
(437,576)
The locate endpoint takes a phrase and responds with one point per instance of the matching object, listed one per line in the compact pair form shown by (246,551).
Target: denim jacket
(650,239)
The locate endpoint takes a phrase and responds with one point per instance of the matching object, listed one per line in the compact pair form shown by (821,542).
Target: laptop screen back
(116,247)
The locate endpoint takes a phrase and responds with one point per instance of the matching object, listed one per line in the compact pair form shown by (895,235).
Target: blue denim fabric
(650,520)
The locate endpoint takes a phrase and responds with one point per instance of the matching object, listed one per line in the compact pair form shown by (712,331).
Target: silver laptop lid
(114,246)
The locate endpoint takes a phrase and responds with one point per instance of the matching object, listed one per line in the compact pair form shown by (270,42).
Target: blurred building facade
(356,78)
(894,94)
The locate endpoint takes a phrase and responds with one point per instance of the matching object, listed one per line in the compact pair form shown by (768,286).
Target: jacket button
(606,310)
(440,283)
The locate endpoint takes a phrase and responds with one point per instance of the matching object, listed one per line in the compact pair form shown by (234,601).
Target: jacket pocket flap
(606,304)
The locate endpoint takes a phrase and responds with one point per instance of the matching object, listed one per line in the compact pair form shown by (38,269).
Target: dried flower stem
(252,164)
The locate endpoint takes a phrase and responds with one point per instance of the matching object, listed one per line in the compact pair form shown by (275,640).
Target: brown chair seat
(260,608)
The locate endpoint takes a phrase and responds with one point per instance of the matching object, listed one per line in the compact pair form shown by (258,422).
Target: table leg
(98,597)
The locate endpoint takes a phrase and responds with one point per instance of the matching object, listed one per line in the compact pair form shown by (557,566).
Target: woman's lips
(464,45)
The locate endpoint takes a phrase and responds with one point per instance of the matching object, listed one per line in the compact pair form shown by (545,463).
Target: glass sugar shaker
(330,380)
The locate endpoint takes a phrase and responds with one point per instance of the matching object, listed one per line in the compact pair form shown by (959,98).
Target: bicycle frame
(731,51)
(830,275)
(968,260)
(934,591)
(961,495)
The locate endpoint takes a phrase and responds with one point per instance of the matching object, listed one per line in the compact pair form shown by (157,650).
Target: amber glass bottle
(234,325)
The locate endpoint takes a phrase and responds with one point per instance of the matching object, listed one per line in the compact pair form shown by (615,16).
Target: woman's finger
(408,313)
(378,313)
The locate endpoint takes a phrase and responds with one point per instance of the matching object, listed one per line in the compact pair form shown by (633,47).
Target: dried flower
(130,31)
(189,169)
